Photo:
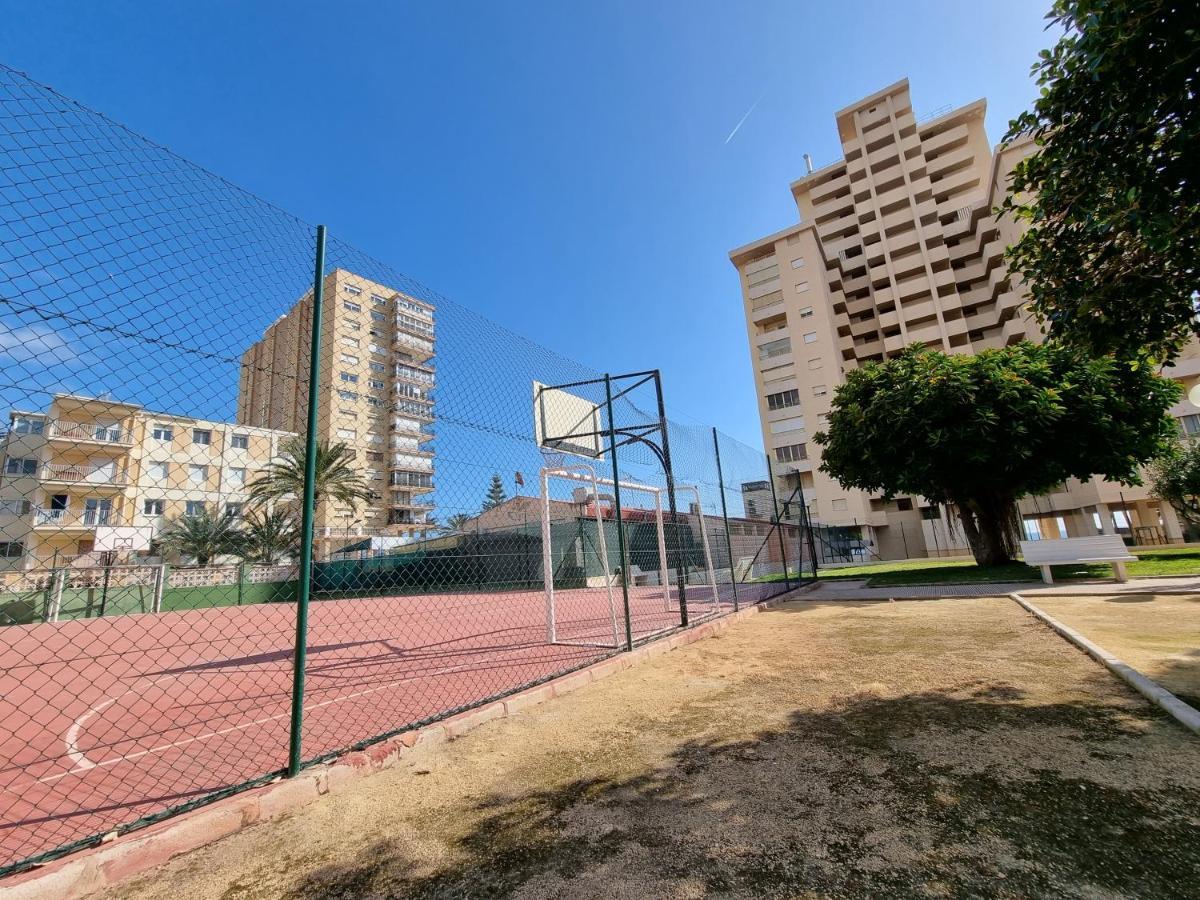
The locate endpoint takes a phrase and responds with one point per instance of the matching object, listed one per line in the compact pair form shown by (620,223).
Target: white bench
(1101,548)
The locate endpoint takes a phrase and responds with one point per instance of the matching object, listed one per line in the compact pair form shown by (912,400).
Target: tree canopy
(336,476)
(1176,479)
(979,432)
(204,537)
(1112,197)
(496,494)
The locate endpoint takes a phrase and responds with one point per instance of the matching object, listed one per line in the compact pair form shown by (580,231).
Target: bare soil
(905,749)
(1157,634)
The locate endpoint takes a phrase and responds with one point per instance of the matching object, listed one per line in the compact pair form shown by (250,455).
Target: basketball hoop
(554,459)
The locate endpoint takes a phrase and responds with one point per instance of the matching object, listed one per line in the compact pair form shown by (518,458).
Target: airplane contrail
(742,120)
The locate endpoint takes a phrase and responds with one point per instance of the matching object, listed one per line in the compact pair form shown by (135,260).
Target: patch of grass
(1168,561)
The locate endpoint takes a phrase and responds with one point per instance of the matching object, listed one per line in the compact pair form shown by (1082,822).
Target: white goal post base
(584,472)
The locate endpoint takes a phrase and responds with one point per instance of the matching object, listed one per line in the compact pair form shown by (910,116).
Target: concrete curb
(93,869)
(1187,716)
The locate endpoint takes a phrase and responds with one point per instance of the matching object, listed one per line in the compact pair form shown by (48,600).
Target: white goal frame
(586,473)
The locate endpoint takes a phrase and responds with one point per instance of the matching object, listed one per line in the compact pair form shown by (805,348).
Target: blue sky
(560,168)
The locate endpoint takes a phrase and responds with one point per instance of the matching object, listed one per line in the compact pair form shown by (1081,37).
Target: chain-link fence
(265,499)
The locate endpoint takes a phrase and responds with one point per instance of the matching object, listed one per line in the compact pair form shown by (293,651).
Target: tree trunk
(990,525)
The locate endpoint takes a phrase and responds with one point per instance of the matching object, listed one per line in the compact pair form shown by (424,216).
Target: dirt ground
(1157,634)
(923,748)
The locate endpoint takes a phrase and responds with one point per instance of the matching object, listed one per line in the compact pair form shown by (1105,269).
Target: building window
(346,376)
(806,312)
(350,342)
(20,466)
(791,453)
(378,316)
(198,474)
(158,470)
(233,510)
(201,436)
(351,305)
(929,513)
(378,366)
(783,399)
(347,395)
(838,505)
(163,433)
(11,549)
(349,359)
(796,423)
(1190,424)
(377,385)
(154,507)
(237,477)
(820,390)
(352,290)
(348,434)
(801,287)
(374,401)
(904,504)
(780,347)
(26,425)
(377,300)
(798,263)
(193,508)
(1032,529)
(375,348)
(810,338)
(240,442)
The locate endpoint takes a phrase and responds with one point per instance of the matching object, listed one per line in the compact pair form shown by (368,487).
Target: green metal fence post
(612,444)
(300,657)
(725,518)
(787,581)
(241,584)
(668,470)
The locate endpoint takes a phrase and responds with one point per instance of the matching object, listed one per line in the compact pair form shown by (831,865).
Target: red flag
(519,479)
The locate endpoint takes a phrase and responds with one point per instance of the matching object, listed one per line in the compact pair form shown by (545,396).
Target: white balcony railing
(90,431)
(77,518)
(83,474)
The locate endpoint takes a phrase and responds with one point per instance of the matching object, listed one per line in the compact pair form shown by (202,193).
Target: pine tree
(496,494)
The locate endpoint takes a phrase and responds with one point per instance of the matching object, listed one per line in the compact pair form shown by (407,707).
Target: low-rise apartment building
(375,396)
(87,464)
(898,245)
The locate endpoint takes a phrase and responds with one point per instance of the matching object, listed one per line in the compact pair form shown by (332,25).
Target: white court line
(83,764)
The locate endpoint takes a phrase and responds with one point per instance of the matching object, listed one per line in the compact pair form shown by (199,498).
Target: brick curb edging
(96,868)
(1186,715)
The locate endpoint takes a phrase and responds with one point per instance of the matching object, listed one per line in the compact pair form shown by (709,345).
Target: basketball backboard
(123,537)
(566,423)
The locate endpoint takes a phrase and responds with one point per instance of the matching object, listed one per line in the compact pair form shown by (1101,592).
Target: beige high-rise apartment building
(897,245)
(88,464)
(375,396)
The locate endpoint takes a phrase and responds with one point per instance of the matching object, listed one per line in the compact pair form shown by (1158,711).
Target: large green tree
(980,432)
(336,476)
(496,495)
(203,537)
(1111,198)
(1176,479)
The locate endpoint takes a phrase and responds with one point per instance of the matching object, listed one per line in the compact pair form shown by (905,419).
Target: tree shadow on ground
(970,792)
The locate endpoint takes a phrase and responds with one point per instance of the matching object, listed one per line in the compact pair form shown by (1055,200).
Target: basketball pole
(612,442)
(304,588)
(670,475)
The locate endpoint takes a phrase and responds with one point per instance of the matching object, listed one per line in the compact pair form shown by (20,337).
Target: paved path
(858,590)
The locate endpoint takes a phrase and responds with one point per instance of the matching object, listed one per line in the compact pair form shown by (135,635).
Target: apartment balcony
(73,519)
(92,476)
(418,348)
(89,433)
(411,503)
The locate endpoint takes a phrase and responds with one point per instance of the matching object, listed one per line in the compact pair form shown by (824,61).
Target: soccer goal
(643,585)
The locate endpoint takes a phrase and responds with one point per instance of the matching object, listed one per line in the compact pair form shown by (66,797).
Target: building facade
(375,396)
(898,245)
(87,464)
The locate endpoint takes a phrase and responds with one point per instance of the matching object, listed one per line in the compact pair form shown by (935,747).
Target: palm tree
(270,535)
(337,479)
(457,521)
(203,537)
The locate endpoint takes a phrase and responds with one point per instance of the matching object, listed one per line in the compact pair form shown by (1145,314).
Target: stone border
(1187,716)
(93,869)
